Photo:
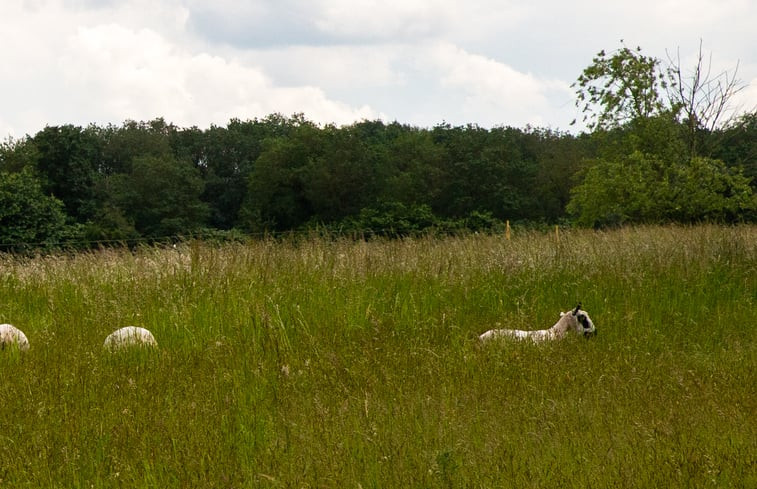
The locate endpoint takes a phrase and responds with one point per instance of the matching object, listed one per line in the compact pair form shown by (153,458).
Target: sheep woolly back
(129,336)
(576,320)
(11,335)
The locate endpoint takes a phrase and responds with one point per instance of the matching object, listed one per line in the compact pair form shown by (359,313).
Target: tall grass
(319,363)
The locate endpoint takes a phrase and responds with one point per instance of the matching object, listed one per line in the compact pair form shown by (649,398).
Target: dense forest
(72,186)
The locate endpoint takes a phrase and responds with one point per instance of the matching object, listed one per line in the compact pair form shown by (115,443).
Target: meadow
(313,362)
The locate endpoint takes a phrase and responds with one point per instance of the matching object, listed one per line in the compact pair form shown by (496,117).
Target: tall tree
(626,85)
(416,169)
(131,140)
(67,160)
(17,154)
(275,198)
(486,171)
(620,86)
(557,157)
(28,218)
(160,196)
(230,153)
(642,188)
(347,176)
(738,145)
(653,120)
(703,99)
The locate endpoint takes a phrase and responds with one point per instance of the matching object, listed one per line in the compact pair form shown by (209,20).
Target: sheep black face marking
(587,325)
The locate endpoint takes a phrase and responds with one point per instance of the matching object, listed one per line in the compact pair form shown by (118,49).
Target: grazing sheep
(575,320)
(129,336)
(11,335)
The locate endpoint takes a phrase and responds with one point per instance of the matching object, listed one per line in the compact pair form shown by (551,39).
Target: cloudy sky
(421,62)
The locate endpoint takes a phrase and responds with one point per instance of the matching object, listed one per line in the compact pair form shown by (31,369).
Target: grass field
(321,363)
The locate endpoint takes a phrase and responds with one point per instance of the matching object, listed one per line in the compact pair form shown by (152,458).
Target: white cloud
(196,62)
(494,93)
(141,75)
(387,19)
(338,67)
(285,23)
(696,12)
(746,100)
(70,66)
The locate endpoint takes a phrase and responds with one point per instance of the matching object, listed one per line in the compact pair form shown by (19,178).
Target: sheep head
(580,321)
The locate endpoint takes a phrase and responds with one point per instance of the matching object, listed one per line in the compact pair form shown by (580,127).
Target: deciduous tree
(620,86)
(28,218)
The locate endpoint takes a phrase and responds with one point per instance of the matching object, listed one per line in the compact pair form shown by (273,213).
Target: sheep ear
(578,308)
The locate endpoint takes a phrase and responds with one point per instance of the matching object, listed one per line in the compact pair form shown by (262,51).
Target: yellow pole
(507,230)
(557,233)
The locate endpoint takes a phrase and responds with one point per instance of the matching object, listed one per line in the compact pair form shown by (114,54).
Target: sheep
(129,336)
(576,320)
(12,336)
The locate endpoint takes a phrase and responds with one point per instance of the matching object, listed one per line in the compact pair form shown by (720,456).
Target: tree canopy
(650,155)
(658,132)
(29,218)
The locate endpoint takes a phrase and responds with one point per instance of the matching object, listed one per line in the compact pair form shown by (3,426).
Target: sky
(423,63)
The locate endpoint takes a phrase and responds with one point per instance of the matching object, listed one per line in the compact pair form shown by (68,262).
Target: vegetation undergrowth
(340,363)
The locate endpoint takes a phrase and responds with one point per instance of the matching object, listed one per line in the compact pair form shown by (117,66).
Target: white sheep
(575,320)
(11,335)
(129,336)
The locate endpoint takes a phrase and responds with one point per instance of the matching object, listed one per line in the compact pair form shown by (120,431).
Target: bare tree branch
(703,101)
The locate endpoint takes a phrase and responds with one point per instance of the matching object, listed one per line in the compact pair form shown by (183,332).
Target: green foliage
(708,190)
(144,180)
(132,140)
(654,131)
(345,176)
(617,191)
(737,145)
(160,196)
(619,87)
(67,162)
(626,86)
(340,363)
(556,159)
(487,171)
(28,218)
(17,154)
(110,224)
(415,167)
(227,159)
(275,197)
(392,219)
(643,188)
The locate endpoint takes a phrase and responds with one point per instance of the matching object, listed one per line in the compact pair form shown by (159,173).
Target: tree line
(642,160)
